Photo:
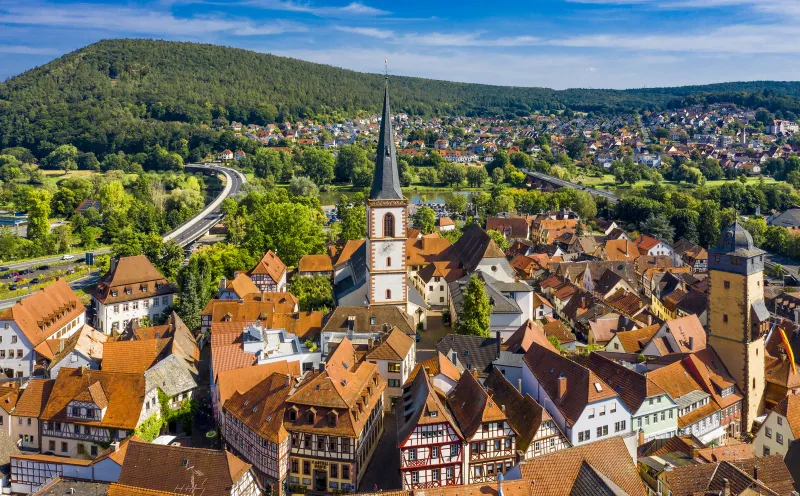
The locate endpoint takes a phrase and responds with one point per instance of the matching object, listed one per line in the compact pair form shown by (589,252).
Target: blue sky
(552,43)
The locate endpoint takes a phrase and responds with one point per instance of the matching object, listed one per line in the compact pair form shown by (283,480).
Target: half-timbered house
(269,274)
(490,441)
(335,419)
(537,433)
(430,442)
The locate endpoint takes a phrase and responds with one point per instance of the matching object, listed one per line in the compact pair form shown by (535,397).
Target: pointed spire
(386,182)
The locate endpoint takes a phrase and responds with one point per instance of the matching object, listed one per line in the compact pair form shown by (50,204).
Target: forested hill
(131,94)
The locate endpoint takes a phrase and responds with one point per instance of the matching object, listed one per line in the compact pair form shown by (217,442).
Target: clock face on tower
(386,249)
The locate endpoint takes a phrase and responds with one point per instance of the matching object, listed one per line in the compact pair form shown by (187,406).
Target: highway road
(566,184)
(185,234)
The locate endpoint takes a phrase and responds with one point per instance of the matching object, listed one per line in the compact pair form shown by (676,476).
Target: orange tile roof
(9,395)
(582,383)
(347,251)
(425,406)
(133,357)
(253,307)
(448,270)
(124,393)
(50,308)
(242,285)
(528,333)
(263,408)
(395,346)
(556,474)
(557,329)
(471,405)
(621,250)
(34,398)
(634,341)
(790,408)
(129,278)
(315,263)
(243,379)
(270,265)
(437,364)
(115,489)
(421,251)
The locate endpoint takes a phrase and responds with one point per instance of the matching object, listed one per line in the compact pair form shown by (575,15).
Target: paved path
(426,347)
(567,184)
(383,469)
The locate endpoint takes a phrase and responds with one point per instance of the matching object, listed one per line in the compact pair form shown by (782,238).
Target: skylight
(598,387)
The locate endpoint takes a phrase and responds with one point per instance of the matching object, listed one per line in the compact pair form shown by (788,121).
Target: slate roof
(386,180)
(471,405)
(475,245)
(473,352)
(633,388)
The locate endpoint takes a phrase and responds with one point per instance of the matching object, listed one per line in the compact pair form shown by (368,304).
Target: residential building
(476,250)
(429,440)
(537,433)
(82,349)
(255,431)
(237,288)
(584,407)
(738,318)
(27,413)
(52,313)
(648,245)
(471,353)
(512,302)
(269,274)
(257,307)
(654,413)
(315,265)
(162,469)
(780,430)
(335,419)
(683,335)
(444,374)
(132,290)
(395,355)
(490,443)
(89,408)
(632,342)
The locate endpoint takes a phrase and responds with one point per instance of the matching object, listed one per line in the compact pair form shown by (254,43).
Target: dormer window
(293,414)
(113,293)
(143,288)
(310,417)
(128,291)
(434,414)
(332,418)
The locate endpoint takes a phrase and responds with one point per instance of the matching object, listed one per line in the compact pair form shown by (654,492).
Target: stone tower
(738,319)
(386,223)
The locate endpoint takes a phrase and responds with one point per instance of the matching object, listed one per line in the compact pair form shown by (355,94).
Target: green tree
(349,159)
(453,174)
(428,176)
(757,228)
(575,147)
(62,237)
(317,164)
(708,224)
(498,176)
(289,229)
(659,228)
(313,293)
(499,239)
(476,176)
(354,222)
(39,215)
(63,157)
(425,220)
(473,319)
(303,186)
(584,205)
(456,204)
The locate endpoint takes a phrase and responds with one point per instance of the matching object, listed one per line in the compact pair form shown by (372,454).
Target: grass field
(52,177)
(607,182)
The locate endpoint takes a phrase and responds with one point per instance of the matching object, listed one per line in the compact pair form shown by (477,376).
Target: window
(13,339)
(591,413)
(19,353)
(64,447)
(779,419)
(725,317)
(619,426)
(388,261)
(94,450)
(727,284)
(779,438)
(602,410)
(320,443)
(292,415)
(52,446)
(766,451)
(448,473)
(294,465)
(155,302)
(497,445)
(602,431)
(663,416)
(116,308)
(125,307)
(306,467)
(332,444)
(334,470)
(310,417)
(500,426)
(388,294)
(478,471)
(583,436)
(454,448)
(346,472)
(768,432)
(136,305)
(394,367)
(412,454)
(388,226)
(435,452)
(165,300)
(414,477)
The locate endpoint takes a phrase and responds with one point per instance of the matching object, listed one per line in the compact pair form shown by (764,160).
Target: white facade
(598,420)
(117,316)
(16,352)
(774,436)
(386,252)
(432,456)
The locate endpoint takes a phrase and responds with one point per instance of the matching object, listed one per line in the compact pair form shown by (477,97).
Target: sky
(550,43)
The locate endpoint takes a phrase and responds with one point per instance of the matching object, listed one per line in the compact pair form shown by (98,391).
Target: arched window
(388,261)
(388,294)
(388,226)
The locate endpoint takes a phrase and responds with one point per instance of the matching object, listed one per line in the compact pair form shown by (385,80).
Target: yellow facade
(730,300)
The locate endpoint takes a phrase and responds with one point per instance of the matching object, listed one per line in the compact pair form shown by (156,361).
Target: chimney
(223,283)
(115,444)
(755,472)
(503,408)
(519,385)
(691,343)
(370,343)
(726,487)
(497,336)
(112,265)
(641,437)
(562,386)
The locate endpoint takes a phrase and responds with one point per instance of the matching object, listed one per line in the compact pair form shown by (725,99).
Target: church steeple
(386,181)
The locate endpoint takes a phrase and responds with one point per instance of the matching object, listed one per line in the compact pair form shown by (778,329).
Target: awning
(711,436)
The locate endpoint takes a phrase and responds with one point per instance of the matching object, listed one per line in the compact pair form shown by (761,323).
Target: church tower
(738,319)
(386,223)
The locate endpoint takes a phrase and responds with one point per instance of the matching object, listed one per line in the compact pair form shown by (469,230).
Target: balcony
(424,462)
(77,435)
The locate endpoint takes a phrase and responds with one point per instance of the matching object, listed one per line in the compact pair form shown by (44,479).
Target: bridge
(545,179)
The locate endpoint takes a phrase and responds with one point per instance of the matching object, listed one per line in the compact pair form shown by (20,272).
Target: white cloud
(353,9)
(140,21)
(27,50)
(371,32)
(466,40)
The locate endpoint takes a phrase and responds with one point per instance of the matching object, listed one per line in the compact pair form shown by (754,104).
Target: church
(376,272)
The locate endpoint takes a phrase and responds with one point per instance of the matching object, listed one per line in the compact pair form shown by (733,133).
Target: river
(429,196)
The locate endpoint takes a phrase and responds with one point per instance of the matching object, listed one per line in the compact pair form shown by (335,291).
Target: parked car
(68,257)
(12,287)
(43,267)
(3,269)
(35,280)
(17,279)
